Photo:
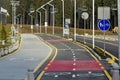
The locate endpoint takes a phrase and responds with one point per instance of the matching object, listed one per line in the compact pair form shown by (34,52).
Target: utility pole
(14,4)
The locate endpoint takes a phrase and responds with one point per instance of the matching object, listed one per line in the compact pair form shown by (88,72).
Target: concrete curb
(8,50)
(91,50)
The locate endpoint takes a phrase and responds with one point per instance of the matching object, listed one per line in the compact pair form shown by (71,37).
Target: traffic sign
(85,15)
(104,25)
(103,12)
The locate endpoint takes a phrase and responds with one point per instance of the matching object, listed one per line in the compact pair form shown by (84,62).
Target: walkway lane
(32,52)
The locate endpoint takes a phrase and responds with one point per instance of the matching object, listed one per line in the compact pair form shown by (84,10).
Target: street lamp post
(93,3)
(0,11)
(37,25)
(53,11)
(45,13)
(63,15)
(14,4)
(74,20)
(21,22)
(44,5)
(46,24)
(31,23)
(31,20)
(62,11)
(18,21)
(40,19)
(17,24)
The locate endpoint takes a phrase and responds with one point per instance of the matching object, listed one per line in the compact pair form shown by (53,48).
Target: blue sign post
(104,25)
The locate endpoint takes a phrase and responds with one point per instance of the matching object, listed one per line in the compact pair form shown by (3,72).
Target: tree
(3,33)
(25,6)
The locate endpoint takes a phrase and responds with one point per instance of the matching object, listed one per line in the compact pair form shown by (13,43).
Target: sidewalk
(32,53)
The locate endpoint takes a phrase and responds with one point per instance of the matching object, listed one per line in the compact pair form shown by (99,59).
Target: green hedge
(5,34)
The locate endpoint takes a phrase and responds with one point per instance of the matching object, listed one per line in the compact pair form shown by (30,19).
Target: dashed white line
(74,64)
(56,76)
(74,56)
(74,69)
(73,76)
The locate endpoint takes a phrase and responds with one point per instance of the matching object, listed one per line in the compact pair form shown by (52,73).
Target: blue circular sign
(104,25)
(66,25)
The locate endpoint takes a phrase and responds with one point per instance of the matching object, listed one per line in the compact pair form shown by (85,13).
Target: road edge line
(50,52)
(56,51)
(105,71)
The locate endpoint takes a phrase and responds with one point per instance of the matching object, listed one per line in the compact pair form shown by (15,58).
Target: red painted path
(69,65)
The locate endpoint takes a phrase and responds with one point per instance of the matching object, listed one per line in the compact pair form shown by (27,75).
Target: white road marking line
(73,76)
(74,69)
(74,64)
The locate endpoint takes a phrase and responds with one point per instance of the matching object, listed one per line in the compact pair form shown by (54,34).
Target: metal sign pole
(84,31)
(74,20)
(119,27)
(104,31)
(104,43)
(93,24)
(85,16)
(53,20)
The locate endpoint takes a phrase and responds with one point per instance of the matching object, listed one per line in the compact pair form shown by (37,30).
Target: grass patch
(59,30)
(7,29)
(6,34)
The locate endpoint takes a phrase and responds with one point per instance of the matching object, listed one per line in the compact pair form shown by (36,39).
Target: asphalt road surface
(110,46)
(32,52)
(71,62)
